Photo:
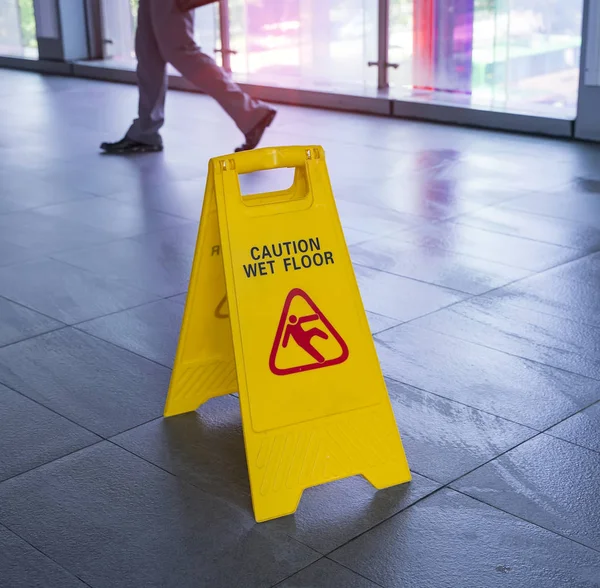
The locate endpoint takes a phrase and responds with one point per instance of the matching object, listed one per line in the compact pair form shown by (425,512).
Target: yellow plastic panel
(313,399)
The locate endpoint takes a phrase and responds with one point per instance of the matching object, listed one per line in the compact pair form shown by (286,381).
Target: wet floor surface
(478,259)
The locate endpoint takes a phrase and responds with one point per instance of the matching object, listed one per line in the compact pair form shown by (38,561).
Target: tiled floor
(478,258)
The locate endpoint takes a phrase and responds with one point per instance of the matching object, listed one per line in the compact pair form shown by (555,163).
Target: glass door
(509,55)
(118,29)
(307,44)
(17,29)
(587,124)
(119,21)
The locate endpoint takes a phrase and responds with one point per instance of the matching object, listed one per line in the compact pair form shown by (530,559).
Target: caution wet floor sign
(274,312)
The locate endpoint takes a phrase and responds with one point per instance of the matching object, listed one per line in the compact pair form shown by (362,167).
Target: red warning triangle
(305,333)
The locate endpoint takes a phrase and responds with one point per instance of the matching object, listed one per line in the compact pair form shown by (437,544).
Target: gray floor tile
(573,205)
(545,179)
(354,236)
(69,294)
(495,322)
(545,293)
(506,164)
(435,266)
(117,521)
(99,386)
(450,540)
(443,439)
(362,163)
(547,481)
(517,389)
(22,566)
(380,323)
(586,269)
(180,298)
(501,219)
(122,220)
(207,449)
(371,219)
(326,574)
(33,435)
(332,514)
(18,322)
(11,253)
(151,330)
(100,178)
(401,298)
(423,192)
(44,235)
(171,195)
(496,247)
(22,192)
(450,211)
(582,428)
(159,262)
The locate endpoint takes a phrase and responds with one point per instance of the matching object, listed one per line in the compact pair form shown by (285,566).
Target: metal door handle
(386,64)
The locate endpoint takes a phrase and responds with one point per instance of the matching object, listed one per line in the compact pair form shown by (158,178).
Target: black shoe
(254,136)
(126,146)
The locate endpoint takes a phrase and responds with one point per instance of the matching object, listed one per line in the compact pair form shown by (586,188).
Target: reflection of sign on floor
(305,339)
(222,310)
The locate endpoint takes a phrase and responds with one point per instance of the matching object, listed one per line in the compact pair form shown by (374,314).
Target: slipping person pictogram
(295,329)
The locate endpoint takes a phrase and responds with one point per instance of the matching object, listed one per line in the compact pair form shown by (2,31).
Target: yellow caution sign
(274,312)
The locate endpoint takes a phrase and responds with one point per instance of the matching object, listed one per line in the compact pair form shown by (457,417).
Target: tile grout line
(17,303)
(397,381)
(35,401)
(281,582)
(539,434)
(442,487)
(469,296)
(203,491)
(101,439)
(129,429)
(448,486)
(48,463)
(389,273)
(67,570)
(335,563)
(112,198)
(117,346)
(77,325)
(401,511)
(496,232)
(535,361)
(538,525)
(531,272)
(40,334)
(487,294)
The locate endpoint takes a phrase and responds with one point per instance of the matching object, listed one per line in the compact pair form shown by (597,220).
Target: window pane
(206,30)
(520,55)
(305,43)
(17,28)
(120,22)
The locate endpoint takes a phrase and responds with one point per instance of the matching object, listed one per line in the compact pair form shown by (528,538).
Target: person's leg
(143,135)
(174,32)
(152,80)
